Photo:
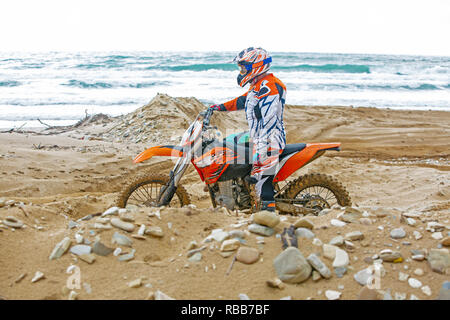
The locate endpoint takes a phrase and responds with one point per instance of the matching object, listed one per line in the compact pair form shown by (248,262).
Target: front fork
(168,191)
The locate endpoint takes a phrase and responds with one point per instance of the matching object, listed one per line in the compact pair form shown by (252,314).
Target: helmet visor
(242,69)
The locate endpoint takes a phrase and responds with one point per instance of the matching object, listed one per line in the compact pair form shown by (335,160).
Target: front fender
(163,151)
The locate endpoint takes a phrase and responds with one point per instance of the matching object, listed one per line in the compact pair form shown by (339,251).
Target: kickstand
(292,236)
(283,240)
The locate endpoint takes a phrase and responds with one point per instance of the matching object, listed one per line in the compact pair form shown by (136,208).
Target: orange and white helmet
(252,62)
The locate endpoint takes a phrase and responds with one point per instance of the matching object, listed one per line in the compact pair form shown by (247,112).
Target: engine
(232,194)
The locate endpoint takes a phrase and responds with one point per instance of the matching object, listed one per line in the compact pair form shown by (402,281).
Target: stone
(445,242)
(196,257)
(444,293)
(127,217)
(136,236)
(304,233)
(13,222)
(111,211)
(194,251)
(80,249)
(230,245)
(403,276)
(291,266)
(162,296)
(355,235)
(413,297)
(363,277)
(79,238)
(121,240)
(73,295)
(418,257)
(117,252)
(317,264)
(349,245)
(414,283)
(332,295)
(127,226)
(218,235)
(266,218)
(141,230)
(243,296)
(261,230)
(400,296)
(135,283)
(337,223)
(192,245)
(417,235)
(341,259)
(60,248)
(388,255)
(72,224)
(102,226)
(365,221)
(316,276)
(276,283)
(154,231)
(87,257)
(437,235)
(38,276)
(439,260)
(419,272)
(247,255)
(329,251)
(340,271)
(411,222)
(304,223)
(426,290)
(237,234)
(398,233)
(100,249)
(128,256)
(2,202)
(317,242)
(337,241)
(368,294)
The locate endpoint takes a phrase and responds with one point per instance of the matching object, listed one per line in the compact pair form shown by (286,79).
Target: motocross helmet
(252,62)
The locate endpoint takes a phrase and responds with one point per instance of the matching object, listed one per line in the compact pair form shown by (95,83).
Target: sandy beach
(394,161)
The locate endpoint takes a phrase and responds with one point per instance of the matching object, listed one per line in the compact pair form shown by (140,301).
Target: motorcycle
(225,166)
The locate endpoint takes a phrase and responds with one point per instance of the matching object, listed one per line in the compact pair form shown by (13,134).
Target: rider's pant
(264,169)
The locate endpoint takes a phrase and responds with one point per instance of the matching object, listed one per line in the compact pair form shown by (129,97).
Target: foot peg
(251,179)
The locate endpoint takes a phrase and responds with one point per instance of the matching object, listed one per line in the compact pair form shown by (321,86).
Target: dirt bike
(225,166)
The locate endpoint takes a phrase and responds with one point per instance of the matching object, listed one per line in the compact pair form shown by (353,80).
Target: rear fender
(162,151)
(311,152)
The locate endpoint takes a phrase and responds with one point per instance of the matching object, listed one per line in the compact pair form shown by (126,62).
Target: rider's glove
(216,107)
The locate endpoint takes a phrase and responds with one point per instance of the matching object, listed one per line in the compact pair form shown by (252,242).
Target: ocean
(60,87)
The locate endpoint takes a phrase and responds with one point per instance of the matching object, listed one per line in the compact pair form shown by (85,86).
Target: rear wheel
(317,192)
(144,190)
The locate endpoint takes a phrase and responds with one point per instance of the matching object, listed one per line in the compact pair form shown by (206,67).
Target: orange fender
(163,151)
(302,158)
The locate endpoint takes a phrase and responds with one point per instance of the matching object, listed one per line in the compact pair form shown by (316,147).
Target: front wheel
(317,192)
(145,189)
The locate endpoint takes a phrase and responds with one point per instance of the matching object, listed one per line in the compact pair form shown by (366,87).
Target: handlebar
(206,116)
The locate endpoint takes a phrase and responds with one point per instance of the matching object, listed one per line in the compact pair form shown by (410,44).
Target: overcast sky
(342,26)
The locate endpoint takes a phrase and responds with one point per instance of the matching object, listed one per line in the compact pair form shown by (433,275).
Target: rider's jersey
(263,104)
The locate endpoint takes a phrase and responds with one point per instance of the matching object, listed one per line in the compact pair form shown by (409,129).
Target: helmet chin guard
(252,63)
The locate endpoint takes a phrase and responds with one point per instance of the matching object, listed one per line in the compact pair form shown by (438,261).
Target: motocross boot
(268,205)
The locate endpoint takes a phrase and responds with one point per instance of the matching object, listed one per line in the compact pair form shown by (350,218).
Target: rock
(73,295)
(411,222)
(417,235)
(337,241)
(154,231)
(291,266)
(414,283)
(79,238)
(413,297)
(100,249)
(116,222)
(439,260)
(38,276)
(341,259)
(128,256)
(87,257)
(349,245)
(398,233)
(266,218)
(445,242)
(368,294)
(435,226)
(194,251)
(355,235)
(304,233)
(237,234)
(444,293)
(365,221)
(426,290)
(135,283)
(102,226)
(80,249)
(72,224)
(400,296)
(218,235)
(418,257)
(13,222)
(276,283)
(317,264)
(127,217)
(332,295)
(117,252)
(337,223)
(329,251)
(136,236)
(316,276)
(230,245)
(403,276)
(111,211)
(243,296)
(162,296)
(196,257)
(60,248)
(226,254)
(192,245)
(419,272)
(261,230)
(2,202)
(317,242)
(121,240)
(340,271)
(304,223)
(141,230)
(388,255)
(437,235)
(363,277)
(247,255)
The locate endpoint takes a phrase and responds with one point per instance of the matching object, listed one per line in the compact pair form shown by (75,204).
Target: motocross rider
(263,104)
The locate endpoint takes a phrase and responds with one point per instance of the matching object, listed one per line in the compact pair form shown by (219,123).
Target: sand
(398,160)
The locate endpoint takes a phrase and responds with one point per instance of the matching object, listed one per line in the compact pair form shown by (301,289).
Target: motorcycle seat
(291,148)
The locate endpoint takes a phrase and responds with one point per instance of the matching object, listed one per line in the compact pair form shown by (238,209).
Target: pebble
(332,295)
(135,283)
(128,256)
(365,221)
(398,233)
(162,296)
(116,222)
(329,251)
(87,257)
(340,271)
(388,255)
(337,241)
(304,223)
(117,252)
(73,295)
(426,290)
(111,211)
(154,231)
(363,276)
(446,242)
(418,257)
(355,235)
(100,249)
(419,272)
(79,238)
(72,224)
(230,245)
(414,283)
(304,233)
(368,294)
(437,235)
(444,293)
(102,226)
(337,223)
(196,257)
(60,248)
(341,259)
(38,276)
(243,296)
(316,276)
(121,240)
(261,230)
(417,235)
(141,230)
(400,296)
(291,266)
(317,242)
(266,218)
(403,276)
(439,260)
(317,264)
(13,222)
(127,217)
(80,249)
(247,255)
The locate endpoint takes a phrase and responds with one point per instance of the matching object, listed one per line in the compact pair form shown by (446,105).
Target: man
(263,104)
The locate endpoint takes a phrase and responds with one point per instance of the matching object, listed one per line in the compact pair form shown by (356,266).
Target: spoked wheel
(144,191)
(317,191)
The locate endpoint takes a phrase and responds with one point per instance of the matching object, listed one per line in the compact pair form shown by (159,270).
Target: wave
(9,83)
(85,85)
(106,85)
(371,87)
